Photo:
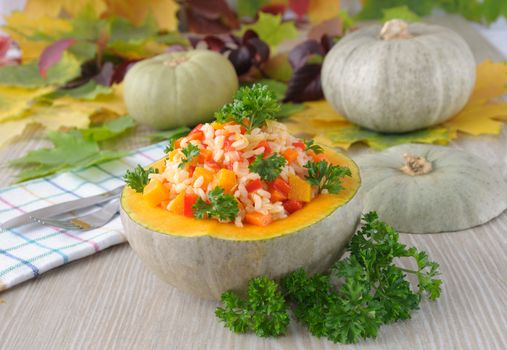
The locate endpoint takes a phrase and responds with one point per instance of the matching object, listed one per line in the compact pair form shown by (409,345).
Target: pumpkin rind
(179,88)
(399,85)
(206,258)
(461,190)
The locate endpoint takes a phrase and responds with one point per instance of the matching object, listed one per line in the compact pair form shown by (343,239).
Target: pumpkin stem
(416,165)
(395,29)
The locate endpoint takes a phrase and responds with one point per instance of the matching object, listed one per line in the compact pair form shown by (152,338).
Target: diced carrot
(300,190)
(265,144)
(317,157)
(155,192)
(205,155)
(299,144)
(291,205)
(227,180)
(253,185)
(198,135)
(290,154)
(188,202)
(205,173)
(281,185)
(258,219)
(177,204)
(277,196)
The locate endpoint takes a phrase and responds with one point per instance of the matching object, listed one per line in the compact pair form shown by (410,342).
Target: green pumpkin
(426,189)
(399,78)
(179,88)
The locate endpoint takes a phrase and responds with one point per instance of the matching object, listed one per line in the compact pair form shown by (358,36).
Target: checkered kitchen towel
(31,250)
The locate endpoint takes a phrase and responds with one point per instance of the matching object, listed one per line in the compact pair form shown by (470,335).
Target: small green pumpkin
(426,189)
(179,88)
(399,78)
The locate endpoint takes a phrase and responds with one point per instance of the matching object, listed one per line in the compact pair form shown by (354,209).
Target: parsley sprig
(189,152)
(326,176)
(312,146)
(252,107)
(363,291)
(268,168)
(264,311)
(138,178)
(220,206)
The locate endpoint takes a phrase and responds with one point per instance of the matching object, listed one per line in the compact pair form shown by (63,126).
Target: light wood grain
(110,301)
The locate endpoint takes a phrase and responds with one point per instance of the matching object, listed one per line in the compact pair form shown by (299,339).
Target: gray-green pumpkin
(179,88)
(426,189)
(400,77)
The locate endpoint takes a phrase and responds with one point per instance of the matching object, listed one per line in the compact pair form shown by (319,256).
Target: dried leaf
(16,100)
(27,75)
(34,34)
(321,10)
(136,11)
(272,30)
(113,102)
(89,91)
(491,80)
(52,54)
(55,8)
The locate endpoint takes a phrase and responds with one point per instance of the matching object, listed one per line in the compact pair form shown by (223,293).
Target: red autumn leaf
(207,17)
(53,54)
(300,7)
(274,9)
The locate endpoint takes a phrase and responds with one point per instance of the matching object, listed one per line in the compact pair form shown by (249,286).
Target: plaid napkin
(31,250)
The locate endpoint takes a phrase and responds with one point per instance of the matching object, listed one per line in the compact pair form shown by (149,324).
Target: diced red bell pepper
(299,144)
(267,149)
(197,128)
(228,143)
(253,185)
(205,155)
(291,205)
(280,185)
(212,164)
(190,170)
(290,154)
(198,135)
(188,203)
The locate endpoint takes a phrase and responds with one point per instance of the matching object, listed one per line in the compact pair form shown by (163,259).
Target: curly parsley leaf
(252,107)
(264,311)
(326,176)
(189,152)
(138,178)
(220,206)
(363,291)
(268,168)
(311,145)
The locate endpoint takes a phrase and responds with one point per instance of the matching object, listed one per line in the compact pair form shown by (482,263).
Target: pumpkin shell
(179,88)
(206,258)
(461,191)
(399,85)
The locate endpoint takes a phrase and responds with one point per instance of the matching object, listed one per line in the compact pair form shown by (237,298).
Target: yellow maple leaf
(112,102)
(320,10)
(49,117)
(21,26)
(56,8)
(164,11)
(481,115)
(15,100)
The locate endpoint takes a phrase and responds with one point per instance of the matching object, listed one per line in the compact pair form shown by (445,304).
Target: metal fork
(86,222)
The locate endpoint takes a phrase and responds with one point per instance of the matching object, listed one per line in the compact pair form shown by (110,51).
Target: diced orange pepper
(290,154)
(227,180)
(277,196)
(160,166)
(205,155)
(164,204)
(281,185)
(258,219)
(317,157)
(300,190)
(198,135)
(178,142)
(217,125)
(188,202)
(155,192)
(205,173)
(177,204)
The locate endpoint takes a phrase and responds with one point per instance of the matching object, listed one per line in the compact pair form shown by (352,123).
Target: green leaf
(89,91)
(373,9)
(272,30)
(249,8)
(169,134)
(87,25)
(27,75)
(277,87)
(109,130)
(70,151)
(122,30)
(289,108)
(399,12)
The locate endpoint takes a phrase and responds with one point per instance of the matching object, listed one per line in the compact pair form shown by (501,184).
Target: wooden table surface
(110,301)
